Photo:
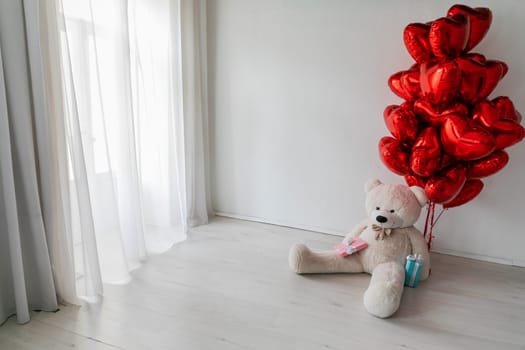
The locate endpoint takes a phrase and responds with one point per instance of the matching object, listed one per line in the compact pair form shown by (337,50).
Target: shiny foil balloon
(394,83)
(480,19)
(507,132)
(394,155)
(487,166)
(402,123)
(431,115)
(416,41)
(469,191)
(440,82)
(406,84)
(425,158)
(410,81)
(448,36)
(443,188)
(464,139)
(478,80)
(506,107)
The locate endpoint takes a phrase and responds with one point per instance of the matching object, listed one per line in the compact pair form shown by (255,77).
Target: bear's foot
(303,260)
(383,296)
(296,257)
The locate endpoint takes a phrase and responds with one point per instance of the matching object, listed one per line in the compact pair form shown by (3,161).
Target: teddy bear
(391,236)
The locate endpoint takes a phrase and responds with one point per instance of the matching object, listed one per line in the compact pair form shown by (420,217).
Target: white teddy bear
(389,232)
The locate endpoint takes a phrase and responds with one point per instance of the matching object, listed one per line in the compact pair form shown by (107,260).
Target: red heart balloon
(394,82)
(402,122)
(469,191)
(410,81)
(506,131)
(480,20)
(479,79)
(506,107)
(413,180)
(405,84)
(416,41)
(394,155)
(426,153)
(464,139)
(448,36)
(487,166)
(445,187)
(433,116)
(440,82)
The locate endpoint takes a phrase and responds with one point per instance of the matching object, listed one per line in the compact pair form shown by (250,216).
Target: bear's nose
(381,219)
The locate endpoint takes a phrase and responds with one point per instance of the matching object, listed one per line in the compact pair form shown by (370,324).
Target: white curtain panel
(26,280)
(129,78)
(193,97)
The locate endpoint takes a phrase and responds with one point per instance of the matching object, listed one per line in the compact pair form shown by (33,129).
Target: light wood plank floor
(229,287)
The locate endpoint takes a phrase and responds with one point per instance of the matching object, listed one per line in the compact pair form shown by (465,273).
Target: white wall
(297,92)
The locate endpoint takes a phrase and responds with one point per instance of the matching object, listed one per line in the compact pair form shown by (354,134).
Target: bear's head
(393,206)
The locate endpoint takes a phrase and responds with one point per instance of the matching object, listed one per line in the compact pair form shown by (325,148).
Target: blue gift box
(413,266)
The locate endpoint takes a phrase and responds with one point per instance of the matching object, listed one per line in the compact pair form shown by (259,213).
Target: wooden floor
(229,287)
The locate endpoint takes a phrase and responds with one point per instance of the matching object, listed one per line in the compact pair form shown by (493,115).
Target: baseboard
(512,262)
(281,223)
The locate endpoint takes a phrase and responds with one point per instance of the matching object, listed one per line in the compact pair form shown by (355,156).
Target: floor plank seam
(78,334)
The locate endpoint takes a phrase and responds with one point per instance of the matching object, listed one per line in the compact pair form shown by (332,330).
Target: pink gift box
(355,245)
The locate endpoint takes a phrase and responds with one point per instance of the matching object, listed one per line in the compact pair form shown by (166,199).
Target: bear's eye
(377,208)
(392,210)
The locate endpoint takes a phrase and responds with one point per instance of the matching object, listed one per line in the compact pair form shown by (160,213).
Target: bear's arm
(419,246)
(356,231)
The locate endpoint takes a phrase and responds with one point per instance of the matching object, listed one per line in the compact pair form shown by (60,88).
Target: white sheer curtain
(134,130)
(26,276)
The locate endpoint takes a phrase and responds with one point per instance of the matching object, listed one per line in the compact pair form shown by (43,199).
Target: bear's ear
(420,195)
(370,184)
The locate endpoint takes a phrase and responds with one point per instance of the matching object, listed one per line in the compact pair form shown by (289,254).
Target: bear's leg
(384,293)
(303,260)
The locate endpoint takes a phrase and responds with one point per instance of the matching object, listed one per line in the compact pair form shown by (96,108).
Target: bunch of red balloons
(449,134)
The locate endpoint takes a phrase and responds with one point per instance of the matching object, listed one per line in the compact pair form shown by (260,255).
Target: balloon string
(425,231)
(432,207)
(439,216)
